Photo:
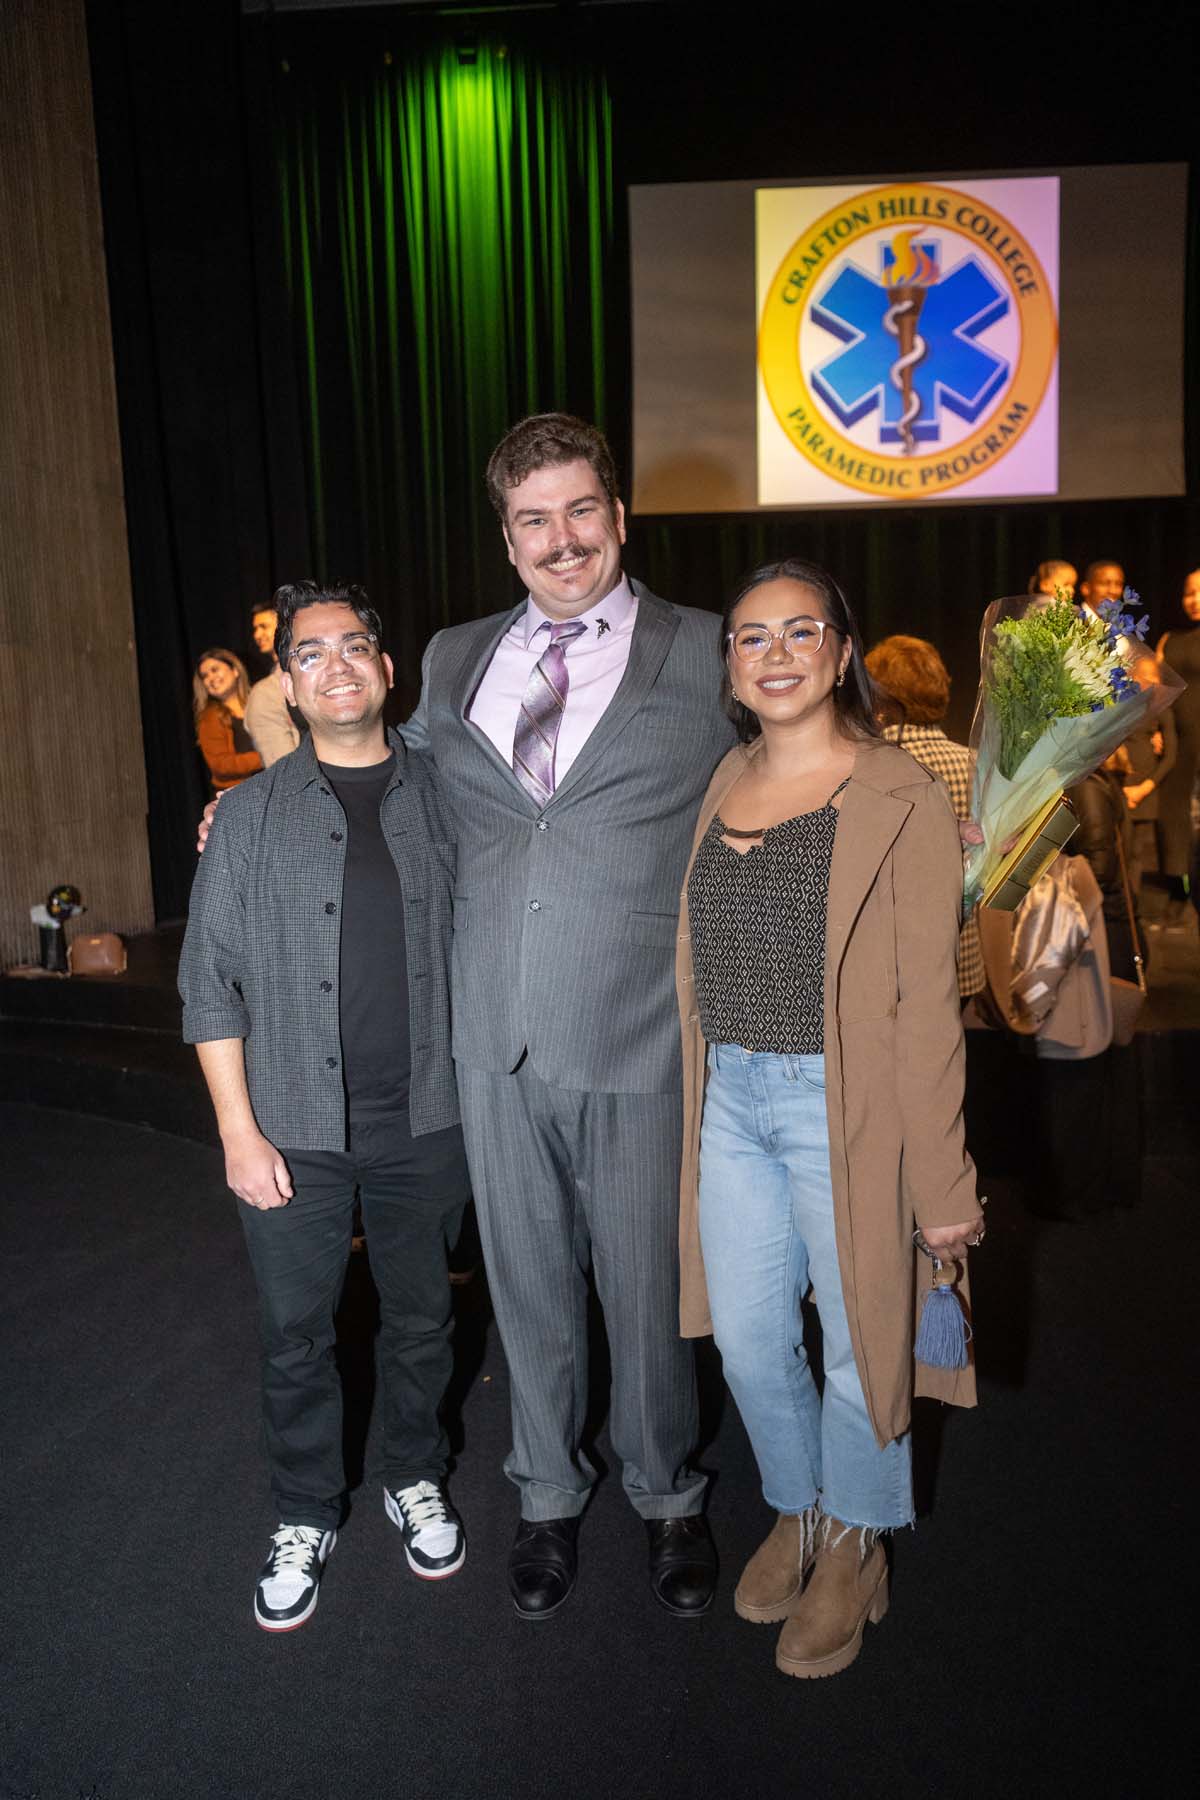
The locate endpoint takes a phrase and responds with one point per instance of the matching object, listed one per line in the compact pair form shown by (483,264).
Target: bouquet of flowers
(1056,697)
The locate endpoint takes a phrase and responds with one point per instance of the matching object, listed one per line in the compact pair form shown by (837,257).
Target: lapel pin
(602,625)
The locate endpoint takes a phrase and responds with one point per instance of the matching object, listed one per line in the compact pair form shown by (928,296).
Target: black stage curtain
(269,289)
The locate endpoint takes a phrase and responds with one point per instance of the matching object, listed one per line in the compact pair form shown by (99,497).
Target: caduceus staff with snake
(910,274)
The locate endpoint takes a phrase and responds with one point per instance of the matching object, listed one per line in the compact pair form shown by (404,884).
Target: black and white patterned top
(758,934)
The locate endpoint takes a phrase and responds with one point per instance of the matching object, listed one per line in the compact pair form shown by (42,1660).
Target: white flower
(1089,663)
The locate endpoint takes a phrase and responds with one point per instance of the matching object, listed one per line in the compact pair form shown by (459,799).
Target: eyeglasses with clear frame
(359,647)
(799,637)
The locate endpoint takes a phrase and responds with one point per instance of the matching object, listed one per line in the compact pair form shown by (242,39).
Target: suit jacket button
(535,906)
(330,907)
(327,987)
(331,1062)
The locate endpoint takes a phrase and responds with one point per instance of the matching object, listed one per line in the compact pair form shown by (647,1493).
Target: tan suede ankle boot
(772,1579)
(849,1586)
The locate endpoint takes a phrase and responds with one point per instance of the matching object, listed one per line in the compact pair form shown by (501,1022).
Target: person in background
(914,678)
(1053,577)
(272,730)
(1180,647)
(1103,580)
(815,978)
(1104,836)
(1088,1135)
(1149,757)
(220,689)
(264,622)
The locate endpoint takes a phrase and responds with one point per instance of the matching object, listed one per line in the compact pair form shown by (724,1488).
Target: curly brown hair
(547,441)
(910,671)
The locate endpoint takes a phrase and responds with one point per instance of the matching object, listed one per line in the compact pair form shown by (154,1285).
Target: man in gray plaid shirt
(315,988)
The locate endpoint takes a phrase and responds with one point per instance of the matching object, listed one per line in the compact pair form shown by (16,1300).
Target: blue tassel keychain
(944,1330)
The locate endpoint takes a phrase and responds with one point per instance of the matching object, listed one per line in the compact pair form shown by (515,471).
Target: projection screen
(908,340)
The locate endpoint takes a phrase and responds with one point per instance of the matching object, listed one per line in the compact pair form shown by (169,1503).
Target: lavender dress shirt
(595,664)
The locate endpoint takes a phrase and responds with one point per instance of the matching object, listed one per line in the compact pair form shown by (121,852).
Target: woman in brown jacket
(220,688)
(823,1044)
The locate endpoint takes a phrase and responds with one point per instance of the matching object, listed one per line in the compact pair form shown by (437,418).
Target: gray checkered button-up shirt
(261,954)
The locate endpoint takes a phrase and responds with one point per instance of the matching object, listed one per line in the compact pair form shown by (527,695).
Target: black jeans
(412,1192)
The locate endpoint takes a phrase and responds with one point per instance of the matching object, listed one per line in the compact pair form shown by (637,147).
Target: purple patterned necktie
(541,714)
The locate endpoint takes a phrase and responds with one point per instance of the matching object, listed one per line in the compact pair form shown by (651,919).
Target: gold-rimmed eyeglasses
(799,637)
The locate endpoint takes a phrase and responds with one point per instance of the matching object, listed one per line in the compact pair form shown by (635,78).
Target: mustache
(560,550)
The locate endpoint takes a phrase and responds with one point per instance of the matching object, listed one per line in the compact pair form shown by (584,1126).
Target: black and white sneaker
(290,1581)
(432,1531)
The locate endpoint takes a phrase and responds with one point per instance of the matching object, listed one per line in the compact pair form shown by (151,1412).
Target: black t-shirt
(373,1015)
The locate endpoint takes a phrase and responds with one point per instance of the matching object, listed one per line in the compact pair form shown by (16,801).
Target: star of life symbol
(911,342)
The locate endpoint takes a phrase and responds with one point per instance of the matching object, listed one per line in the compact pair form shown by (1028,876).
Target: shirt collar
(608,615)
(900,734)
(300,768)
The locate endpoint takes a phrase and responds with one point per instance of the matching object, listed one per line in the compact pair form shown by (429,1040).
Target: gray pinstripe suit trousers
(562,1177)
(566,1042)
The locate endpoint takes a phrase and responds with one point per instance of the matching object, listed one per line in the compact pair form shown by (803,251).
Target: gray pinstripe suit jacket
(565,919)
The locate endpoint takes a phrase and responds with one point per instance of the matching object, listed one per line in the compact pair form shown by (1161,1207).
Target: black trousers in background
(1087,1139)
(412,1191)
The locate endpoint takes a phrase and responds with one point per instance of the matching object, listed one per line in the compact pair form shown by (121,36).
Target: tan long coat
(893,1068)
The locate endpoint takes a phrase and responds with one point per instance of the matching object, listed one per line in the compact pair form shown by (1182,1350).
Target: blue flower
(1118,622)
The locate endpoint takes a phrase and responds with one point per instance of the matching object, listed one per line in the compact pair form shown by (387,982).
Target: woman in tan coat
(823,1045)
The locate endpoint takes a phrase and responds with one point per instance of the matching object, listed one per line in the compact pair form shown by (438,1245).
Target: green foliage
(1029,681)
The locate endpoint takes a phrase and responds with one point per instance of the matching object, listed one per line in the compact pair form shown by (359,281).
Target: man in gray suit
(574,736)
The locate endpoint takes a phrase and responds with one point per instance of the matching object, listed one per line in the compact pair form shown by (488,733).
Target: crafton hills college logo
(907,341)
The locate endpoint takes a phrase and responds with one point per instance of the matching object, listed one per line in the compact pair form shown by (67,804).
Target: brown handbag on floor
(1128,997)
(103,954)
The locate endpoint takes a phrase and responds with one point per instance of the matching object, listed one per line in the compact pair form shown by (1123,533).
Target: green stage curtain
(445,232)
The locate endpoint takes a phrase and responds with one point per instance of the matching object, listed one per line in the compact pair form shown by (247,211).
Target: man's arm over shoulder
(415,729)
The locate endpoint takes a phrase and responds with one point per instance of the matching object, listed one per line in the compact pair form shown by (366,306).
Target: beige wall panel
(72,781)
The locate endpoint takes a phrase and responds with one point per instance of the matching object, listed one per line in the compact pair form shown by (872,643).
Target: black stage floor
(1039,1633)
(109,1045)
(1039,1628)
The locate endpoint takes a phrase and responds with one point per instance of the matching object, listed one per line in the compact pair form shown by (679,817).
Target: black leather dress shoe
(683,1564)
(541,1565)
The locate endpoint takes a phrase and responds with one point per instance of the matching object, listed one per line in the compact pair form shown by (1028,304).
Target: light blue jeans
(766,1228)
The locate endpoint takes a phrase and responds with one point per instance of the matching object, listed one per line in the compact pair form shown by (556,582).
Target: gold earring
(841,678)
